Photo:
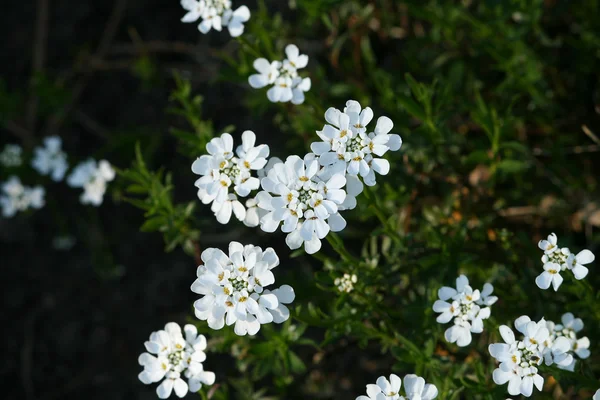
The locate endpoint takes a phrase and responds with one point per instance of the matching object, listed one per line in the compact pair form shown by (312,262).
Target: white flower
(557,259)
(597,395)
(414,387)
(92,176)
(569,329)
(15,197)
(233,289)
(345,283)
(215,14)
(348,148)
(519,359)
(283,75)
(306,205)
(50,159)
(11,155)
(465,308)
(223,171)
(170,356)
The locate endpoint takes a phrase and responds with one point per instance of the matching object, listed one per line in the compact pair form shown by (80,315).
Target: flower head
(519,359)
(463,304)
(574,344)
(216,14)
(283,75)
(92,176)
(171,355)
(10,156)
(226,174)
(597,395)
(557,260)
(234,289)
(345,283)
(15,197)
(414,387)
(50,159)
(305,205)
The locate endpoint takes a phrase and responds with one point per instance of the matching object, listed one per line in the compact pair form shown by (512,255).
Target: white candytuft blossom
(303,203)
(92,176)
(557,260)
(50,159)
(519,359)
(225,175)
(233,289)
(216,14)
(171,356)
(349,148)
(283,75)
(414,387)
(569,328)
(346,283)
(597,395)
(15,197)
(11,156)
(467,307)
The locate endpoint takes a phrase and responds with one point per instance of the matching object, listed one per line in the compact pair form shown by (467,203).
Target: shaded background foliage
(497,103)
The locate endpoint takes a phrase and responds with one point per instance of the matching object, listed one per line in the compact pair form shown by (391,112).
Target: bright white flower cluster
(349,148)
(346,283)
(307,205)
(519,359)
(170,356)
(557,259)
(51,159)
(216,14)
(10,156)
(414,387)
(92,176)
(233,289)
(283,75)
(569,328)
(15,197)
(226,175)
(468,307)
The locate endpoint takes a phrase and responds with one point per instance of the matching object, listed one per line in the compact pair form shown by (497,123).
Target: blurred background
(501,148)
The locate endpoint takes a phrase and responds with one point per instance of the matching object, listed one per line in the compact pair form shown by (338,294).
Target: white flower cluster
(557,259)
(346,283)
(569,328)
(216,14)
(10,156)
(15,197)
(92,176)
(349,148)
(225,176)
(519,359)
(170,356)
(234,289)
(283,75)
(414,387)
(51,159)
(468,307)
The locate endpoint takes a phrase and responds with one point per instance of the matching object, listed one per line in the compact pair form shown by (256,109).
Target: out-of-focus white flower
(597,395)
(170,356)
(345,283)
(414,387)
(305,205)
(11,156)
(15,197)
(50,159)
(92,176)
(225,175)
(347,147)
(283,75)
(233,289)
(465,308)
(216,14)
(519,359)
(558,259)
(569,328)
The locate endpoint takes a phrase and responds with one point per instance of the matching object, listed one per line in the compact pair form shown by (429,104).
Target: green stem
(247,45)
